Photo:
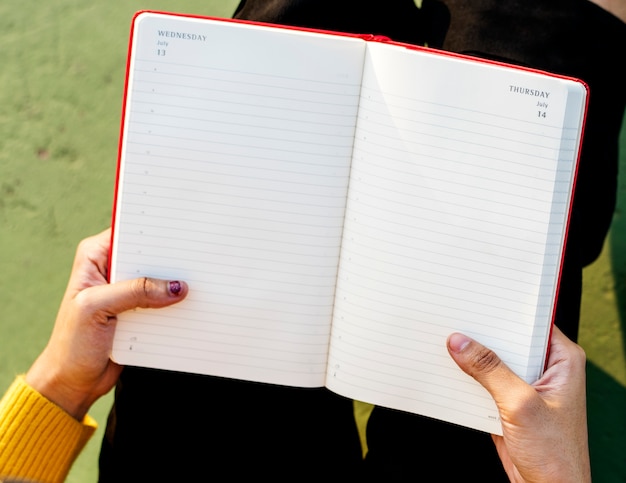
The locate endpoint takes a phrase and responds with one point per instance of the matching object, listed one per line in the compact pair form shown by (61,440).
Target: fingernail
(175,287)
(457,342)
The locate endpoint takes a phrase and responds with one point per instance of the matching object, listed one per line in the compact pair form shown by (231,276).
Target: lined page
(233,175)
(456,219)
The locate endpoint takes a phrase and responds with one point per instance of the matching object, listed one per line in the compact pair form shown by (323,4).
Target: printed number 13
(160,52)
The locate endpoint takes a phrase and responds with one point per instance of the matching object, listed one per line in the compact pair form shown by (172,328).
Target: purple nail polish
(175,287)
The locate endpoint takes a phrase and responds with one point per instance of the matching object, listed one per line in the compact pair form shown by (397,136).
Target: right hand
(545,423)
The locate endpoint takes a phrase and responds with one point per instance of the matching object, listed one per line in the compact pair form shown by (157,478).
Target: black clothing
(166,422)
(174,427)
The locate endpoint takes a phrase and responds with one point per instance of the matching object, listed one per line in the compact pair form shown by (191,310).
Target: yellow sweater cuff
(39,441)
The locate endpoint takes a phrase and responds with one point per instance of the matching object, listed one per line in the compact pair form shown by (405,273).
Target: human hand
(545,423)
(75,368)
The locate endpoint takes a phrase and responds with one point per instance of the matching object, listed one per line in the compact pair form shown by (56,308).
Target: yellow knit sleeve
(39,441)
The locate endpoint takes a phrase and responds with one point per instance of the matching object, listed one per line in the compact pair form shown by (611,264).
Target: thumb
(144,292)
(482,364)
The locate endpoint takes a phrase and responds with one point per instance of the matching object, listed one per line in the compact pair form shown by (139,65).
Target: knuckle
(579,354)
(141,287)
(85,245)
(84,302)
(485,360)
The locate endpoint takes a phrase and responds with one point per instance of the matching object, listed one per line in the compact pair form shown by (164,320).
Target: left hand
(75,368)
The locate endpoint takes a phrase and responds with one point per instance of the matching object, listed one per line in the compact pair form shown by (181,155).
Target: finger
(566,365)
(482,364)
(104,237)
(91,260)
(99,242)
(113,299)
(563,347)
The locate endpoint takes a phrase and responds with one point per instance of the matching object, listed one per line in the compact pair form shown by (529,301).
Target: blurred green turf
(61,81)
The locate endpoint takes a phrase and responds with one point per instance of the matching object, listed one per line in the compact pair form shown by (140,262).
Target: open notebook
(339,204)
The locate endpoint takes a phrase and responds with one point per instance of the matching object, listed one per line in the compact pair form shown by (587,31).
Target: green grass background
(61,81)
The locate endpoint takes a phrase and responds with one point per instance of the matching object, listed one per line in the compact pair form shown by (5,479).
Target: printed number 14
(541,113)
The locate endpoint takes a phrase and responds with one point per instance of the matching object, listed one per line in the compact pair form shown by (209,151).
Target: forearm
(39,441)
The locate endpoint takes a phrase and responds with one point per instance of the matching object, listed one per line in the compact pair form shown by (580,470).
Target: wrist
(45,379)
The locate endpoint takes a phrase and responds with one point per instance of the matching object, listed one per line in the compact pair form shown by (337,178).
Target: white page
(456,217)
(234,170)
